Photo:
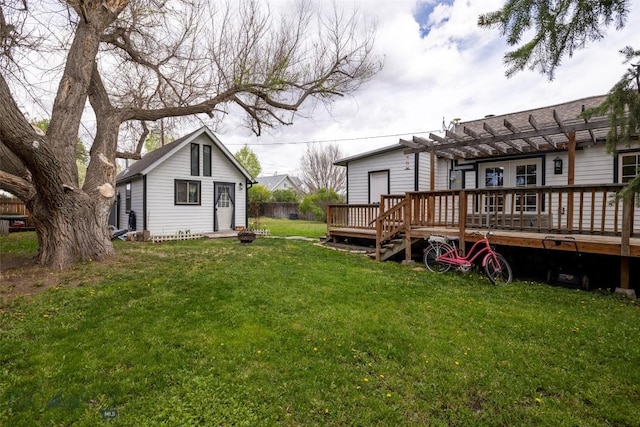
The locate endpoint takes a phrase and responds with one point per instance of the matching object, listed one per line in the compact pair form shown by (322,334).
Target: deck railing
(360,216)
(577,209)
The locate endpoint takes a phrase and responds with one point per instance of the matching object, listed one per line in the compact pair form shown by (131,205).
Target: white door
(224,206)
(512,174)
(378,185)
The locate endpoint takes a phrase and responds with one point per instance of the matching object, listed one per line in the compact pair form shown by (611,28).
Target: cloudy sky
(438,64)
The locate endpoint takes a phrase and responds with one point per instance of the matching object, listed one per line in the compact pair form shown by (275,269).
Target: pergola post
(625,248)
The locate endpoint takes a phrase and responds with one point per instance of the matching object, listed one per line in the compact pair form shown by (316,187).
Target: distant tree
(152,142)
(557,28)
(319,170)
(249,160)
(316,204)
(286,195)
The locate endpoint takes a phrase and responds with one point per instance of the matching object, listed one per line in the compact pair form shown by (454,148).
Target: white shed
(193,184)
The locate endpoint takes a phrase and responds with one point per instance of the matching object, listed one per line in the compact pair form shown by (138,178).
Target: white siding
(401,169)
(136,203)
(164,217)
(442,174)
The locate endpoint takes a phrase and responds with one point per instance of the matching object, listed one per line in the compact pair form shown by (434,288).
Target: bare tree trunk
(76,231)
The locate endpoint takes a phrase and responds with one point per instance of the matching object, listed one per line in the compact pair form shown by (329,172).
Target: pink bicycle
(442,254)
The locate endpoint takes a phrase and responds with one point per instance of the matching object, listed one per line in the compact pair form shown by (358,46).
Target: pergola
(553,128)
(544,129)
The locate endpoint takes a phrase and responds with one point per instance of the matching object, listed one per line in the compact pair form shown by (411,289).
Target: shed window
(206,161)
(127,197)
(187,192)
(195,159)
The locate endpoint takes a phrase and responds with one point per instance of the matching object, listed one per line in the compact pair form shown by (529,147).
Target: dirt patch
(20,276)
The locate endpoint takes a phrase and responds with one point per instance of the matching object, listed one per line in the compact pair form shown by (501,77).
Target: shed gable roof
(153,159)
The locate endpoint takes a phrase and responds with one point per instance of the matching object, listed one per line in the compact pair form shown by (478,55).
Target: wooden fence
(283,210)
(13,206)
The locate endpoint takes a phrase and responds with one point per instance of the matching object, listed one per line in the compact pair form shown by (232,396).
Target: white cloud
(456,70)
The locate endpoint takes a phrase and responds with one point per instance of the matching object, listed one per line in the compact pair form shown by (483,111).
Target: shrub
(258,194)
(316,204)
(286,195)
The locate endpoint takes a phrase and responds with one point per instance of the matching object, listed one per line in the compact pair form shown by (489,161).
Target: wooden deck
(589,219)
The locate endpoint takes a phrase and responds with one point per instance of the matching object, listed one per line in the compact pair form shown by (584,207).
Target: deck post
(571,178)
(625,249)
(407,227)
(462,219)
(378,239)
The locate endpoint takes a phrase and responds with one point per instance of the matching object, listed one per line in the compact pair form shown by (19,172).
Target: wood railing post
(462,219)
(378,238)
(407,227)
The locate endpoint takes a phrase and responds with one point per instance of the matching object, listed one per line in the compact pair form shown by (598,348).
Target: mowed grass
(285,333)
(298,227)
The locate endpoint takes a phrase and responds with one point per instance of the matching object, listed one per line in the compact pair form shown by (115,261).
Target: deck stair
(392,247)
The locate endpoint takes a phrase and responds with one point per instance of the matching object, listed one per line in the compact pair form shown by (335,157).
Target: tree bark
(73,232)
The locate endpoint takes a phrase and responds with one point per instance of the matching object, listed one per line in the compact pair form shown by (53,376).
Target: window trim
(188,182)
(195,159)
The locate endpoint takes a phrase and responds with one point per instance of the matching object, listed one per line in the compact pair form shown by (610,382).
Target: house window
(630,168)
(195,159)
(494,177)
(206,165)
(127,197)
(187,192)
(526,176)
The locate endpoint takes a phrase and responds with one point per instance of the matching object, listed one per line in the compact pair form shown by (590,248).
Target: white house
(387,170)
(482,154)
(280,182)
(192,184)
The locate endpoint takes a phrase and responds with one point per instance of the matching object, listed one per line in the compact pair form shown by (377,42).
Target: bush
(316,204)
(258,194)
(286,195)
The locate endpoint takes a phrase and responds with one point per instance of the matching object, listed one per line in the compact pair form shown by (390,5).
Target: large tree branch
(19,187)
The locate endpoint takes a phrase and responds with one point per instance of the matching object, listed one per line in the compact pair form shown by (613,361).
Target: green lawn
(285,333)
(298,227)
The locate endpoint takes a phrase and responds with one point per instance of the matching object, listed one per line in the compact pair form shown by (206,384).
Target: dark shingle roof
(150,158)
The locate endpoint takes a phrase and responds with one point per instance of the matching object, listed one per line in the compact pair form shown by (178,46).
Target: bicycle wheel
(498,273)
(431,255)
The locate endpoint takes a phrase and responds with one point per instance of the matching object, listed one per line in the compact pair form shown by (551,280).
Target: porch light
(240,185)
(557,166)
